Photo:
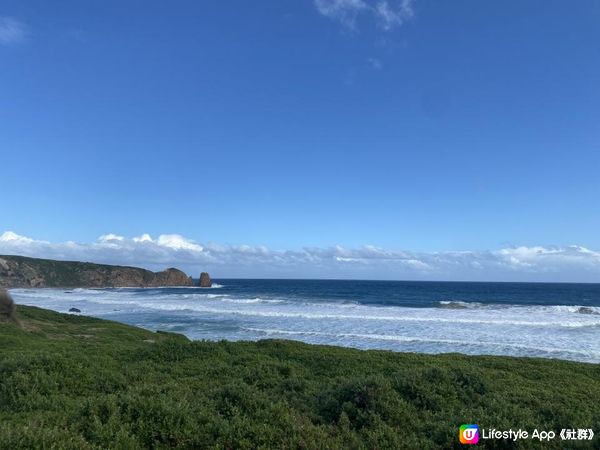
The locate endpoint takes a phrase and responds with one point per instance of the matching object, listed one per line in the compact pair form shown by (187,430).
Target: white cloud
(110,237)
(143,238)
(572,263)
(11,31)
(542,258)
(388,14)
(177,242)
(9,237)
(344,11)
(392,15)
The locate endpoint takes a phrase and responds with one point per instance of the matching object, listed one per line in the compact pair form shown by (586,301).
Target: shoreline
(158,330)
(295,341)
(554,332)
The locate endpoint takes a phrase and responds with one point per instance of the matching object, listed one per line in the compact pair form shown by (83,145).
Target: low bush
(80,383)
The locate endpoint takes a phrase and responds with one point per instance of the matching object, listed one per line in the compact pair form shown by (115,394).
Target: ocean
(544,320)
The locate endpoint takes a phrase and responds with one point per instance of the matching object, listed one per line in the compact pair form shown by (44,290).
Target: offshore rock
(205,280)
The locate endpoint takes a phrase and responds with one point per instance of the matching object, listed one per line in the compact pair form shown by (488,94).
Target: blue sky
(409,126)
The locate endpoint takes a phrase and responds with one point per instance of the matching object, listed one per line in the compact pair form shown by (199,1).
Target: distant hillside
(20,271)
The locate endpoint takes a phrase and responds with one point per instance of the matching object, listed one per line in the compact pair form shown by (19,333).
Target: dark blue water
(520,319)
(418,294)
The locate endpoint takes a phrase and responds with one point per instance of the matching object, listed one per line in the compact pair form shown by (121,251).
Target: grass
(71,382)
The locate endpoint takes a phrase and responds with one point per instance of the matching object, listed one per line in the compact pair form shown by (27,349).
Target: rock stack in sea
(205,280)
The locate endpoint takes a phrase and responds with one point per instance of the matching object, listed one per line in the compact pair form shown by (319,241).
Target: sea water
(522,319)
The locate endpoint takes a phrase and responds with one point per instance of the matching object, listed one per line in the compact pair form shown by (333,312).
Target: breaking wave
(451,304)
(471,327)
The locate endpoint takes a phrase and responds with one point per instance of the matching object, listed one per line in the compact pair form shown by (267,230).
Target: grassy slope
(79,382)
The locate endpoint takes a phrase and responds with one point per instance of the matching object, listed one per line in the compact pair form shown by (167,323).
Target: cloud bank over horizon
(572,263)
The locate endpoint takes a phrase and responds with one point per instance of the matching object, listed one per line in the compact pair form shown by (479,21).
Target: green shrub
(77,383)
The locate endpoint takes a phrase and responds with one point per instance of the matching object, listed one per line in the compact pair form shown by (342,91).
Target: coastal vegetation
(75,382)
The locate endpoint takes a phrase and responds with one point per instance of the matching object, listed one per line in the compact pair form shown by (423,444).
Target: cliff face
(23,272)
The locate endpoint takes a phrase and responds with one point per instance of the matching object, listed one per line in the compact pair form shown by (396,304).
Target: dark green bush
(77,383)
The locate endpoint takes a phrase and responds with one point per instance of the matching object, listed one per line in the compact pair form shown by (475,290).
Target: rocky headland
(24,272)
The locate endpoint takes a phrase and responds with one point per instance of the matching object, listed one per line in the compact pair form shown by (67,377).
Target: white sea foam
(568,332)
(395,314)
(86,291)
(413,339)
(457,304)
